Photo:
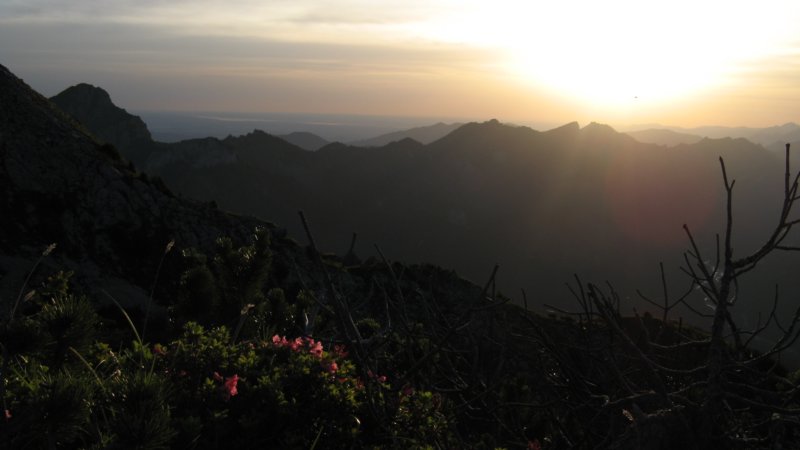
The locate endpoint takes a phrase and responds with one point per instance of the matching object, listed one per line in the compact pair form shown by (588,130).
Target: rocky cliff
(58,184)
(92,107)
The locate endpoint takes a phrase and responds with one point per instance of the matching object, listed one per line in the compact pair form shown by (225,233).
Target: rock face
(58,184)
(92,106)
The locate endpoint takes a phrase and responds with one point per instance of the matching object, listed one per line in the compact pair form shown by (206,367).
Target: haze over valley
(543,205)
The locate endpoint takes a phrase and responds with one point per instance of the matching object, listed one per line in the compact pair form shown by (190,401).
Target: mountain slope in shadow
(542,204)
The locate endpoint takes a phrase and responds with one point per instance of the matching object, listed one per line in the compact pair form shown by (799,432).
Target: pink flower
(331,367)
(230,385)
(7,414)
(316,349)
(407,391)
(382,379)
(296,344)
(534,445)
(279,341)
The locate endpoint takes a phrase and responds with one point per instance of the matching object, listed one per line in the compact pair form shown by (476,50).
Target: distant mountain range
(662,136)
(174,126)
(424,135)
(773,138)
(543,205)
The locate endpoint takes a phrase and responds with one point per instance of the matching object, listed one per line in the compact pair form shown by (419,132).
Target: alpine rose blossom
(316,349)
(331,367)
(230,386)
(280,341)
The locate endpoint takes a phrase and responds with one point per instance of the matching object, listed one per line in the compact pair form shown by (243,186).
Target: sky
(622,62)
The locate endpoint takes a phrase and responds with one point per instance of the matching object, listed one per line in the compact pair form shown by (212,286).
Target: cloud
(152,67)
(235,16)
(280,53)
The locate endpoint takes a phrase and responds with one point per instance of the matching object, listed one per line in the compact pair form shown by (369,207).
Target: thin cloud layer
(515,60)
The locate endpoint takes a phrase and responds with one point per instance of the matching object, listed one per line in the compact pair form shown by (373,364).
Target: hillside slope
(110,222)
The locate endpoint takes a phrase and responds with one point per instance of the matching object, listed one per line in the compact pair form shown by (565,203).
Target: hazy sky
(621,62)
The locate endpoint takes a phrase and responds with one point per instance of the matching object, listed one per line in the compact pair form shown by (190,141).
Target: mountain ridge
(770,137)
(92,106)
(60,185)
(423,135)
(549,202)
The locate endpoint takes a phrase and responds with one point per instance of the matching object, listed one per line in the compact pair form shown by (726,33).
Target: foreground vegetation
(251,347)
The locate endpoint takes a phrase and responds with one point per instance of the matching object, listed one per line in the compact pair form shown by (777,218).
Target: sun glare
(607,55)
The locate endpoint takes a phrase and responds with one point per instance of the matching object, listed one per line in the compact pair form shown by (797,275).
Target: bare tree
(670,386)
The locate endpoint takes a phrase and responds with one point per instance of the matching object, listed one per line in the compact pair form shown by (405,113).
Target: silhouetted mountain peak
(60,185)
(570,126)
(477,128)
(92,106)
(406,142)
(258,139)
(601,135)
(597,128)
(87,93)
(489,134)
(571,129)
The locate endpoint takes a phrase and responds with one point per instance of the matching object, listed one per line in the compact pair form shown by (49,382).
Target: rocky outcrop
(92,106)
(58,184)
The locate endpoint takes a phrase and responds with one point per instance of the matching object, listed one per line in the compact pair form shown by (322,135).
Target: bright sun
(605,54)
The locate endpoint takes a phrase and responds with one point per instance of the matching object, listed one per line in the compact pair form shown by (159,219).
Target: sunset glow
(620,62)
(610,54)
